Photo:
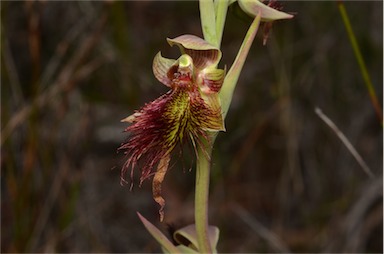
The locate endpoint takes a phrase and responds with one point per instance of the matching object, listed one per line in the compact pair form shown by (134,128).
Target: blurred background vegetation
(281,179)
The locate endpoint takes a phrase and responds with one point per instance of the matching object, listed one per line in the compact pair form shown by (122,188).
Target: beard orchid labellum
(188,111)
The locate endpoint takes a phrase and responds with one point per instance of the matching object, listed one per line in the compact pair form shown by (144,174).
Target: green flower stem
(221,7)
(201,198)
(360,61)
(208,23)
(209,13)
(213,26)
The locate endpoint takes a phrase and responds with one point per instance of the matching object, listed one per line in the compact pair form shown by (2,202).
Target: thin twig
(345,141)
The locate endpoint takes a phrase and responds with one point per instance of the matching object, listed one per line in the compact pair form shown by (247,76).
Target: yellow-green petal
(253,7)
(210,80)
(213,122)
(161,66)
(203,54)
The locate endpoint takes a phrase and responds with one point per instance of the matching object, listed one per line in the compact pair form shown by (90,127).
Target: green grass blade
(360,61)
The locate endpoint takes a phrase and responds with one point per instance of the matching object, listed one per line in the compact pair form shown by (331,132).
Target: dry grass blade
(52,196)
(255,133)
(10,67)
(262,231)
(358,215)
(345,141)
(62,82)
(61,50)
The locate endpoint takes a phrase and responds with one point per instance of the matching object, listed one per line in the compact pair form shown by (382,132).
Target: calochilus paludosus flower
(187,112)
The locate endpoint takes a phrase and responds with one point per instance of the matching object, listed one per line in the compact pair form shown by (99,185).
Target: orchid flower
(187,111)
(193,109)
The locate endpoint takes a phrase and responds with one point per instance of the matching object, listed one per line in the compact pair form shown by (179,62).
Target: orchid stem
(221,7)
(201,198)
(208,22)
(209,13)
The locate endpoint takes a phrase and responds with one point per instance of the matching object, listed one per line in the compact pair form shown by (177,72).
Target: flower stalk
(203,162)
(221,8)
(213,27)
(201,198)
(208,22)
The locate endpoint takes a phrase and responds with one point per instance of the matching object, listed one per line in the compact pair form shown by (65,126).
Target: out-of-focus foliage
(281,178)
